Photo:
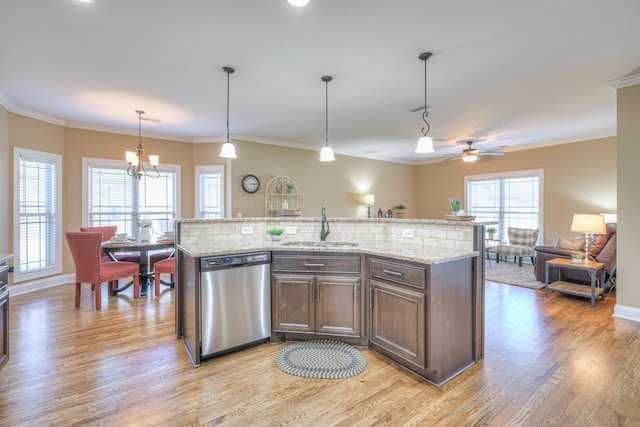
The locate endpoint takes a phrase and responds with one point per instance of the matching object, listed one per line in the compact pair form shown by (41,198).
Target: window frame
(56,267)
(121,164)
(539,173)
(200,170)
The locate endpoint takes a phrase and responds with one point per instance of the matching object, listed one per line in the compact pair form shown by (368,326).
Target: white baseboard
(34,285)
(626,312)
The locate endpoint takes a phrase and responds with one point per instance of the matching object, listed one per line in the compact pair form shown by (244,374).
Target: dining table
(144,248)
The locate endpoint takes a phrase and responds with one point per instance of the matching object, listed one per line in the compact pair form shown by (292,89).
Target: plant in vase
(146,229)
(455,204)
(491,231)
(400,210)
(290,187)
(275,233)
(577,258)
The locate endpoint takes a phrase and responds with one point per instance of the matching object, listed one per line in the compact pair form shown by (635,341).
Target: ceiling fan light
(469,157)
(326,154)
(425,145)
(228,151)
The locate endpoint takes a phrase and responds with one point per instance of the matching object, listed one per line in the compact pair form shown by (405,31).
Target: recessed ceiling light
(85,1)
(298,3)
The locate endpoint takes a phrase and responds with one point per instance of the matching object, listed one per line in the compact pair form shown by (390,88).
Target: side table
(575,288)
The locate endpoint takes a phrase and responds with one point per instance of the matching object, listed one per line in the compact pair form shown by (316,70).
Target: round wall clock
(250,183)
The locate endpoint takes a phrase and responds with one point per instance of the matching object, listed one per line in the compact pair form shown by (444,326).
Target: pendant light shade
(228,150)
(326,154)
(425,143)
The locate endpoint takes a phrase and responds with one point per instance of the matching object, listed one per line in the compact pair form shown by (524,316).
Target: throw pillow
(576,244)
(597,243)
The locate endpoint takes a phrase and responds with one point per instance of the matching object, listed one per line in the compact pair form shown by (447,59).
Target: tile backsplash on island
(246,232)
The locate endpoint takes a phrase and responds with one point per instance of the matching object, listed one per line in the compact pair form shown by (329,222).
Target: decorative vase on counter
(276,238)
(146,233)
(455,213)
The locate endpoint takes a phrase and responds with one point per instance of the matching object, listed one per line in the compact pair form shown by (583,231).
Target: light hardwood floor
(554,361)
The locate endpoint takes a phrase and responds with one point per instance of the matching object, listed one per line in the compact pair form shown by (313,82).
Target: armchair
(521,244)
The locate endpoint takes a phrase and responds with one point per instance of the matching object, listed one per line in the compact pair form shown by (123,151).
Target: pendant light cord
(228,72)
(326,113)
(425,56)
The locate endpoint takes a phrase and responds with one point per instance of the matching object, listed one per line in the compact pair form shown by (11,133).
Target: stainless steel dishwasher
(235,302)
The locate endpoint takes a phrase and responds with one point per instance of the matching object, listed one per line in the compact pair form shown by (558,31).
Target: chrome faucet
(324,233)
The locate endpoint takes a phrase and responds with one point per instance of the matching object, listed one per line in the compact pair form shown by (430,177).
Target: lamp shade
(588,223)
(228,150)
(369,199)
(469,157)
(326,154)
(425,145)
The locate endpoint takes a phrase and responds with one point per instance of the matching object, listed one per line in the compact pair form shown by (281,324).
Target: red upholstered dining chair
(166,266)
(85,250)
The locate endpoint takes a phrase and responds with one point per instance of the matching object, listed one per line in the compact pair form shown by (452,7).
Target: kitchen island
(412,290)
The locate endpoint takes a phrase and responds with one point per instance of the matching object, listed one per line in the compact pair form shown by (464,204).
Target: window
(513,199)
(209,191)
(112,197)
(37,200)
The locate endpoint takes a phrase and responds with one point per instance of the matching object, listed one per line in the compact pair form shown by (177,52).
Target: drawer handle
(314,265)
(395,273)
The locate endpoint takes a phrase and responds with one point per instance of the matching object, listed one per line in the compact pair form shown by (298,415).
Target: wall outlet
(247,230)
(408,233)
(291,230)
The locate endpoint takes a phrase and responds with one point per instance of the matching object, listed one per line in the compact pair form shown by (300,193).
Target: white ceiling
(506,73)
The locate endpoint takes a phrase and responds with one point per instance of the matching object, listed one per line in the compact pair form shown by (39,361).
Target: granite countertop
(343,220)
(397,251)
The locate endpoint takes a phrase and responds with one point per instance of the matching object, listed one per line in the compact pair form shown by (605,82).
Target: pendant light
(134,158)
(228,150)
(326,154)
(425,143)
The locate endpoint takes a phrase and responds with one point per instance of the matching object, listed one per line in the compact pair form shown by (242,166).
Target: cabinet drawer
(316,263)
(398,273)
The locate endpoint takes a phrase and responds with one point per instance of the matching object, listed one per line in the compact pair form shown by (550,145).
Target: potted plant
(491,231)
(400,210)
(290,188)
(275,233)
(455,204)
(577,258)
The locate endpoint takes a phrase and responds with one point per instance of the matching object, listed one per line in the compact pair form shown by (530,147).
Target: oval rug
(321,359)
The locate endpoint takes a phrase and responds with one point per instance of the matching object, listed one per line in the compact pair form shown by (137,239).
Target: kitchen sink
(343,245)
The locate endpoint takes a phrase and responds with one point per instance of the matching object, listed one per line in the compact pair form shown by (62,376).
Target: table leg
(602,277)
(593,287)
(546,280)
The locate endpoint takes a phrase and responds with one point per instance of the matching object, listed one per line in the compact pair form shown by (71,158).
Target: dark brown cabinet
(319,295)
(422,316)
(4,316)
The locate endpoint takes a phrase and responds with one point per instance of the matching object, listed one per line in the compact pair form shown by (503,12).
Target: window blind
(210,192)
(512,200)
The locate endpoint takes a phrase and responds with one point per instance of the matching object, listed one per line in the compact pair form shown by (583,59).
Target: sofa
(602,248)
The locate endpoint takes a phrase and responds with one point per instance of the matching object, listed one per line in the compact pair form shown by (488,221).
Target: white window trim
(45,157)
(513,174)
(95,162)
(205,170)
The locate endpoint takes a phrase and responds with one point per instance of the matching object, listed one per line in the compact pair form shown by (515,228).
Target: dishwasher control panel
(234,260)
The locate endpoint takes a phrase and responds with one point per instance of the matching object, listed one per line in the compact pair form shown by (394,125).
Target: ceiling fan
(471,154)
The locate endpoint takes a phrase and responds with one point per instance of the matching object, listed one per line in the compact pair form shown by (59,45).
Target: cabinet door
(293,303)
(339,306)
(398,322)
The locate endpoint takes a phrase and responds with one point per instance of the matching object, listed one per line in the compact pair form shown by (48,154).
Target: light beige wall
(5,159)
(628,292)
(339,185)
(578,177)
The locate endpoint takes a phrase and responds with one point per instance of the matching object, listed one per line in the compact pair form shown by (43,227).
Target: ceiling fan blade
(491,153)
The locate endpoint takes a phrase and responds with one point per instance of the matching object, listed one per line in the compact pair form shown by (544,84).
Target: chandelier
(134,158)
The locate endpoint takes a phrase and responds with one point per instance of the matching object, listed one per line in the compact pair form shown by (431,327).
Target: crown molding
(9,105)
(625,82)
(125,131)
